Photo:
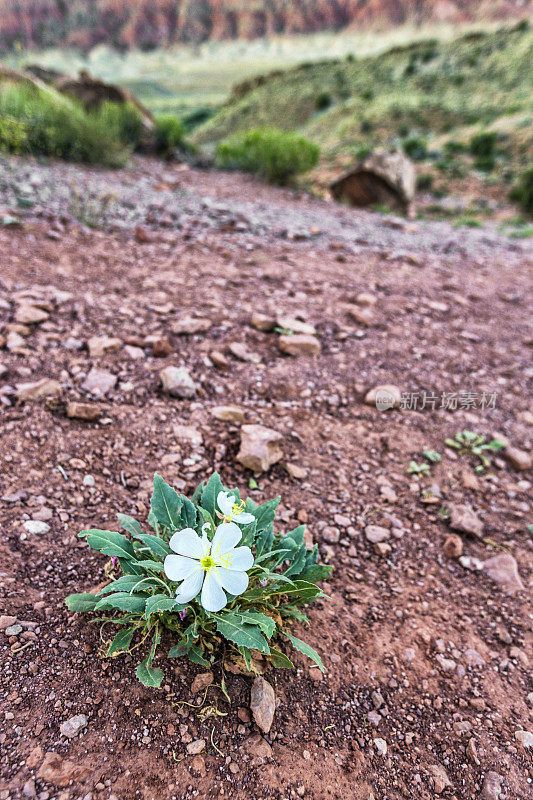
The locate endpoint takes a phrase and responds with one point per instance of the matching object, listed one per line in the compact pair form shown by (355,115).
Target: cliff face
(159,23)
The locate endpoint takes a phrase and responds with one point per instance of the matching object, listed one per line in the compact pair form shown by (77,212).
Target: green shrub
(13,135)
(274,154)
(482,147)
(169,134)
(56,127)
(125,119)
(522,192)
(424,182)
(415,147)
(323,101)
(362,152)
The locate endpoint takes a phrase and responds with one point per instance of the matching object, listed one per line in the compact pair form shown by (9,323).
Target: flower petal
(233,582)
(225,502)
(226,537)
(213,598)
(243,518)
(177,568)
(188,543)
(190,586)
(240,559)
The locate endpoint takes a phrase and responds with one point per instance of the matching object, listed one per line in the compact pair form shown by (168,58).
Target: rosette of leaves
(475,443)
(141,601)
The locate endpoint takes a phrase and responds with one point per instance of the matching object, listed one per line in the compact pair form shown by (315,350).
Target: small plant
(482,147)
(433,456)
(418,469)
(214,574)
(415,148)
(274,154)
(323,101)
(475,443)
(90,210)
(522,191)
(169,134)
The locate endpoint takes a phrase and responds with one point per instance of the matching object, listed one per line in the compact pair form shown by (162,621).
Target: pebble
(99,382)
(100,345)
(86,411)
(13,630)
(263,704)
(6,621)
(177,382)
(161,347)
(46,387)
(296,326)
(384,396)
(196,747)
(453,546)
(191,325)
(381,746)
(492,786)
(259,448)
(60,772)
(464,519)
(503,569)
(525,738)
(228,414)
(201,682)
(258,749)
(299,344)
(375,533)
(71,727)
(440,777)
(518,459)
(36,526)
(262,322)
(330,534)
(30,315)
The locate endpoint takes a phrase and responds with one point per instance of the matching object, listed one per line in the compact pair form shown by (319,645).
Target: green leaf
(129,524)
(231,627)
(149,676)
(265,513)
(126,583)
(188,513)
(266,623)
(432,456)
(316,572)
(293,613)
(152,521)
(166,504)
(130,567)
(495,444)
(252,484)
(155,544)
(121,642)
(156,566)
(305,648)
(123,601)
(280,660)
(210,494)
(247,656)
(110,543)
(81,603)
(159,602)
(195,655)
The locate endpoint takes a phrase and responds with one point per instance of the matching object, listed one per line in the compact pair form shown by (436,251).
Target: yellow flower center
(207,562)
(238,508)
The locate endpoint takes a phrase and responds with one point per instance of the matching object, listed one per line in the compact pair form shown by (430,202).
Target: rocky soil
(289,311)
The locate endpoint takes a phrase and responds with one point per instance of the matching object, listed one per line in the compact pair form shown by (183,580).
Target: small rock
(86,411)
(518,459)
(263,704)
(300,344)
(59,772)
(374,718)
(492,786)
(375,533)
(447,664)
(504,570)
(100,345)
(13,630)
(471,752)
(473,658)
(381,746)
(463,519)
(453,546)
(188,433)
(384,396)
(71,727)
(525,738)
(43,388)
(162,347)
(196,747)
(296,472)
(6,621)
(219,359)
(296,326)
(191,325)
(259,448)
(201,682)
(440,777)
(363,316)
(316,674)
(142,235)
(263,323)
(135,353)
(258,749)
(30,315)
(177,382)
(198,766)
(29,790)
(99,382)
(228,414)
(330,534)
(382,549)
(36,526)
(366,299)
(241,351)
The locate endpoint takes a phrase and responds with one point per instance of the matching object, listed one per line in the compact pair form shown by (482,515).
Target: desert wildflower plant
(214,574)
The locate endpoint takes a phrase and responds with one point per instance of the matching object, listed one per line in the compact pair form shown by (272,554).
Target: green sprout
(475,443)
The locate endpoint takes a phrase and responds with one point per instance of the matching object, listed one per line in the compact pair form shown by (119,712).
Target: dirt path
(425,653)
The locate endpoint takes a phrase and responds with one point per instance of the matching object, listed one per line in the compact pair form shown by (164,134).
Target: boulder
(382,177)
(259,447)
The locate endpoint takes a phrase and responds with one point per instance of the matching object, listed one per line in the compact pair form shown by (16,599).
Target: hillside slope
(158,23)
(425,89)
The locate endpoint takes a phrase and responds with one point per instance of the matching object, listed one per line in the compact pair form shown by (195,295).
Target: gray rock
(99,382)
(382,177)
(504,570)
(263,704)
(375,533)
(196,747)
(36,526)
(463,519)
(177,382)
(492,786)
(13,630)
(71,727)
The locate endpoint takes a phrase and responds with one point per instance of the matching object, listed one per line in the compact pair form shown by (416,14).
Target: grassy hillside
(433,91)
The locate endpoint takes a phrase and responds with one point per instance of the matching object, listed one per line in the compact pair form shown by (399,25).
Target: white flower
(209,566)
(232,509)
